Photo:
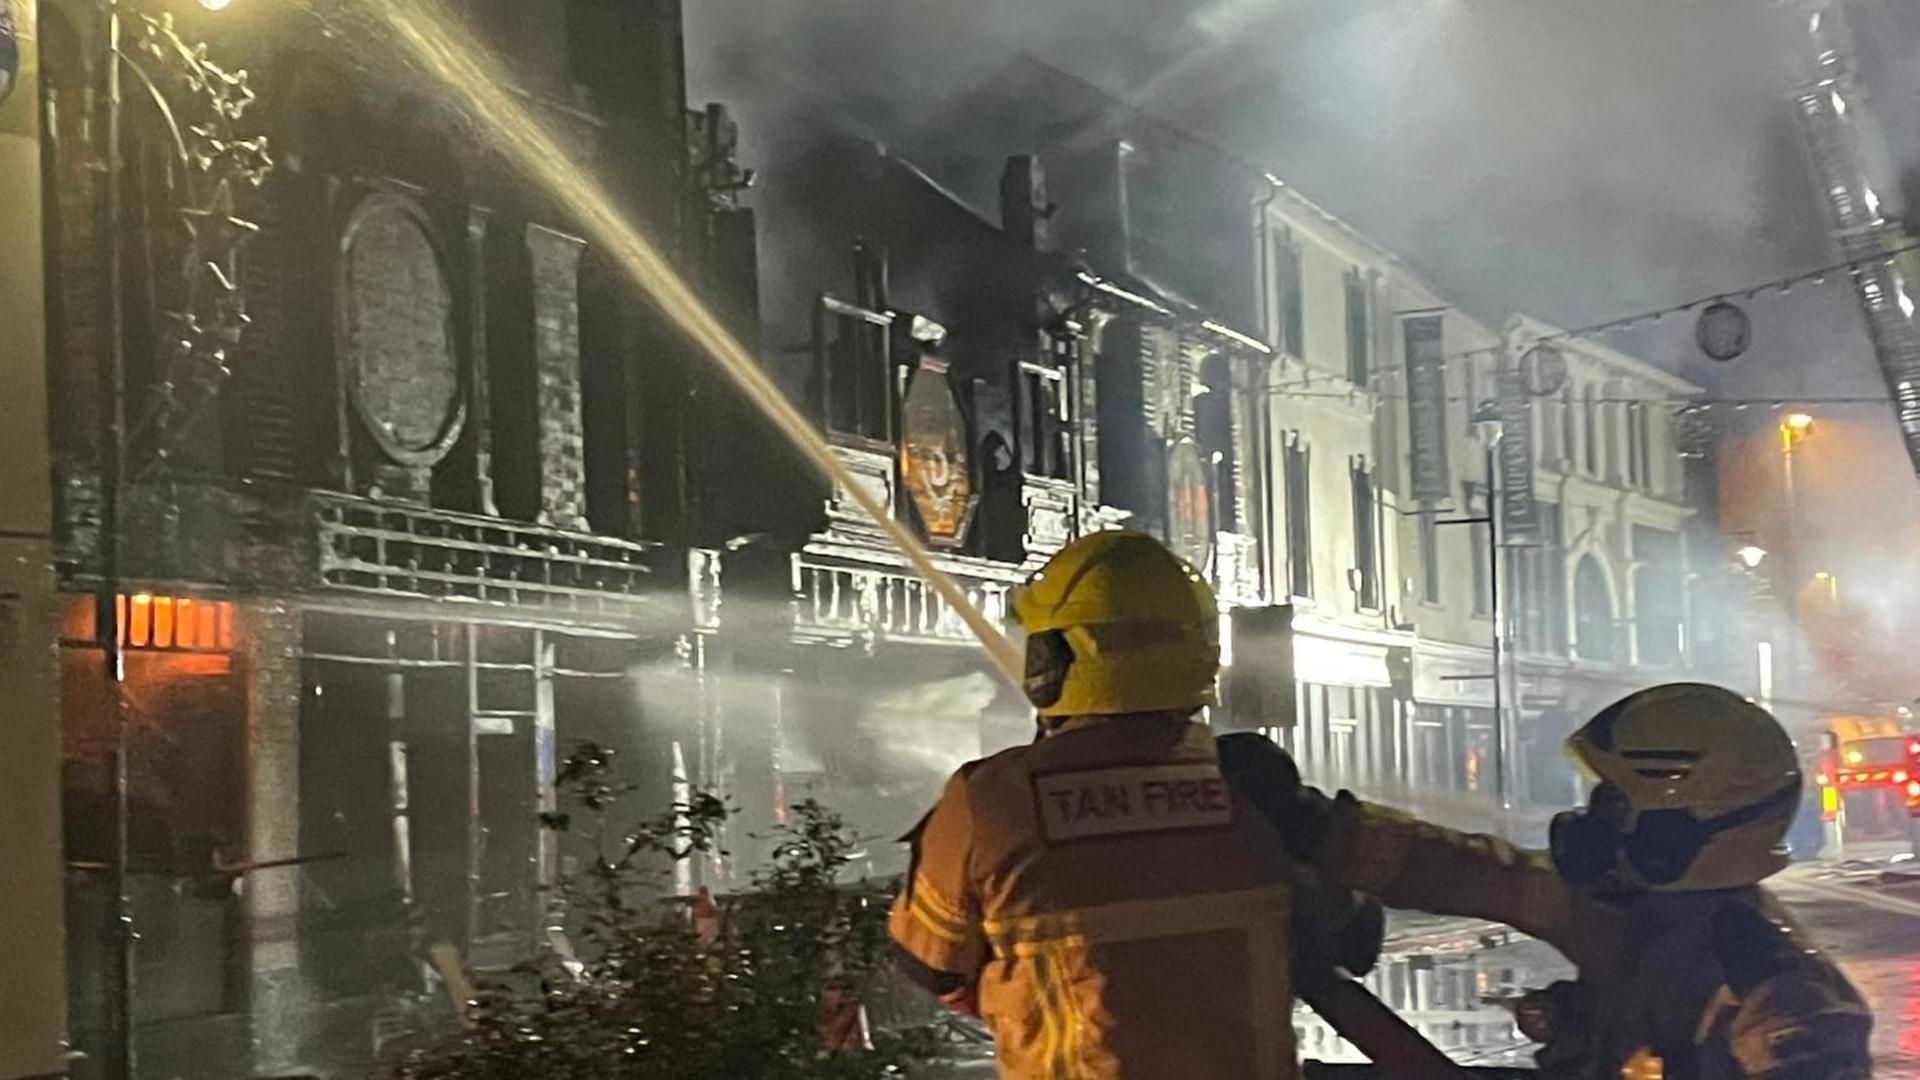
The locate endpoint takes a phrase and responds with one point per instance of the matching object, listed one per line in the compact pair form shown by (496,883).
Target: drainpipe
(1263,237)
(1263,439)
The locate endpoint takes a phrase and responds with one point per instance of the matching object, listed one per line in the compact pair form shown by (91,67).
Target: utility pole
(1497,610)
(120,1052)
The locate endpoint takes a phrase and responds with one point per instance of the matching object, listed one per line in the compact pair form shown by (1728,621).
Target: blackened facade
(406,491)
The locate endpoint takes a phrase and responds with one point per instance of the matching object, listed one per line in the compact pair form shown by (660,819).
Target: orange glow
(138,631)
(146,621)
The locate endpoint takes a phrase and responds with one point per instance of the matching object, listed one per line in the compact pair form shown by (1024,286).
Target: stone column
(267,639)
(555,259)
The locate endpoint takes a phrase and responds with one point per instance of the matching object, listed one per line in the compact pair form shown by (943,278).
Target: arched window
(1593,622)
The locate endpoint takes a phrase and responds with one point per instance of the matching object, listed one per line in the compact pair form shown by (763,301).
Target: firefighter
(1688,967)
(1102,897)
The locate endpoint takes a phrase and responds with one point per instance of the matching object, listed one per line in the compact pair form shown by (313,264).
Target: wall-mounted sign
(1519,513)
(1427,408)
(934,463)
(1189,504)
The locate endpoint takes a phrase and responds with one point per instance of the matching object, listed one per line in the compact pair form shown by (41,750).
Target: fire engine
(1869,768)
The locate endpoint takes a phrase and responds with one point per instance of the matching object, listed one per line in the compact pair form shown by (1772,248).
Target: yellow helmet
(1116,623)
(1696,788)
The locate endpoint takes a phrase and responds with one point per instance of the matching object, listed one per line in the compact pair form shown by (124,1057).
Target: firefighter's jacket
(1685,986)
(1121,911)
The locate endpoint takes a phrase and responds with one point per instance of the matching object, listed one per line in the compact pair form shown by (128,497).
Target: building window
(1610,441)
(1429,538)
(1480,540)
(1213,430)
(1299,520)
(1359,330)
(1469,396)
(1293,311)
(1568,456)
(1659,600)
(850,369)
(1546,433)
(1633,444)
(1046,418)
(1590,432)
(1538,590)
(1642,435)
(1593,622)
(1365,551)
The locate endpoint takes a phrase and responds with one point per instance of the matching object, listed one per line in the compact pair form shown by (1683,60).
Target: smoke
(1574,160)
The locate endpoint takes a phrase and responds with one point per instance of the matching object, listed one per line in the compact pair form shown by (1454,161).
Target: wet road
(1874,930)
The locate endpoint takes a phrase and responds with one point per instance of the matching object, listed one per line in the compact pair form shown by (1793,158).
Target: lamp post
(1486,419)
(215,329)
(120,1051)
(1793,429)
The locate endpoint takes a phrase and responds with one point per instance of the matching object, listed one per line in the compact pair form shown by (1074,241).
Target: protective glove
(1262,773)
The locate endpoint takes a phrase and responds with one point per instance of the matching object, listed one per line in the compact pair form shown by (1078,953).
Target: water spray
(443,48)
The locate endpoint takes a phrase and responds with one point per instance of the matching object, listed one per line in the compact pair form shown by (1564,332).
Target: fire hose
(1395,1049)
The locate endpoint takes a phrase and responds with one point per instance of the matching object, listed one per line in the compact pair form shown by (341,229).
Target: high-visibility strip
(1053,1065)
(934,926)
(936,904)
(1074,1019)
(1136,920)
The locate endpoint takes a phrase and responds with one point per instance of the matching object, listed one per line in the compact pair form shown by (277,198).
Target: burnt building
(374,476)
(1002,380)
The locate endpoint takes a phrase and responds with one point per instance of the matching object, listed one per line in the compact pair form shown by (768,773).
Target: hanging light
(215,5)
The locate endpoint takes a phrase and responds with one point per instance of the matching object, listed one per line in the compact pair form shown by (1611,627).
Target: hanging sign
(1426,408)
(1724,331)
(1519,512)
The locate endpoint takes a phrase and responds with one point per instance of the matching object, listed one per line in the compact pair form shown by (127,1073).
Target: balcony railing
(390,550)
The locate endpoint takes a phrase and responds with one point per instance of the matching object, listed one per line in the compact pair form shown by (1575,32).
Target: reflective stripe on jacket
(1123,912)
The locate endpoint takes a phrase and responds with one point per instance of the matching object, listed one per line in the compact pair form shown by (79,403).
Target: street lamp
(1750,556)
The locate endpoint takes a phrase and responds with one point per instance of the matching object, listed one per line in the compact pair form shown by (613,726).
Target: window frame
(1366,528)
(1359,312)
(1297,470)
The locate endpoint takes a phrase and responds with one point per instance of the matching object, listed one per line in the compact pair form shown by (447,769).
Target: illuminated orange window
(147,621)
